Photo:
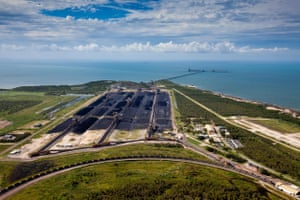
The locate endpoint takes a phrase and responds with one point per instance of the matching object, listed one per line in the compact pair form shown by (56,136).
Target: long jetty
(196,71)
(182,75)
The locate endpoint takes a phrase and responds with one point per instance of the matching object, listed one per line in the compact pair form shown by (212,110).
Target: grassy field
(30,111)
(13,171)
(193,141)
(279,125)
(148,179)
(3,147)
(262,150)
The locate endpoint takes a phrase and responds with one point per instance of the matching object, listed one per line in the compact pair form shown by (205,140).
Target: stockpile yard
(114,117)
(134,122)
(162,112)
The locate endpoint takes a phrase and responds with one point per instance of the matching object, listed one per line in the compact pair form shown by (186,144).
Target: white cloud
(87,47)
(11,47)
(191,47)
(69,18)
(172,26)
(60,4)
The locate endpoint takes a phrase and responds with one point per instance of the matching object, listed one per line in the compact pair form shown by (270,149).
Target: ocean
(269,82)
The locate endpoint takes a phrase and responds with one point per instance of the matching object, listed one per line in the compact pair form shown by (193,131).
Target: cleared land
(278,125)
(33,146)
(4,123)
(119,135)
(291,139)
(159,180)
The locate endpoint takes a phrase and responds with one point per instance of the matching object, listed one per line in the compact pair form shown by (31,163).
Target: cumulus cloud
(167,47)
(69,18)
(87,47)
(171,26)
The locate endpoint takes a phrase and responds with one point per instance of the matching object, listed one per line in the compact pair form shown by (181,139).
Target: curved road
(36,179)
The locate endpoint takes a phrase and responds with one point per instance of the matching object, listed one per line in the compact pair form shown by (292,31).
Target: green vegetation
(213,150)
(279,125)
(188,110)
(230,107)
(148,179)
(230,155)
(193,141)
(8,168)
(3,147)
(9,107)
(235,157)
(26,169)
(36,108)
(262,150)
(274,156)
(87,88)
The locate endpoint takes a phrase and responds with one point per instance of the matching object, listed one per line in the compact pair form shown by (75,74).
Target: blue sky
(150,30)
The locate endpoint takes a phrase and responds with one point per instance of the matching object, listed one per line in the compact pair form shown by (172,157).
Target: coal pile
(84,111)
(61,127)
(83,126)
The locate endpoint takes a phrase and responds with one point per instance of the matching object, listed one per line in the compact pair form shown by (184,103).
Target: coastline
(293,112)
(269,106)
(267,82)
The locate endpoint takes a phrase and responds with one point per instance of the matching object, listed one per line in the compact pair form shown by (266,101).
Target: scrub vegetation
(262,150)
(148,179)
(14,171)
(94,87)
(9,107)
(21,108)
(230,107)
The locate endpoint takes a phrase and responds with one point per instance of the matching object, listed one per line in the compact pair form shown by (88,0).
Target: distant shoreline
(267,81)
(269,106)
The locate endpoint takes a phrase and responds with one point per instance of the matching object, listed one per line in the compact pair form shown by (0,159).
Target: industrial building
(288,188)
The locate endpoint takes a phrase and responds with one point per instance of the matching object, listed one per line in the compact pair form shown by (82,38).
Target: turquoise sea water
(275,83)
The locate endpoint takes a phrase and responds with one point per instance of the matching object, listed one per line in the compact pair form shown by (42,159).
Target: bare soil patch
(4,123)
(119,135)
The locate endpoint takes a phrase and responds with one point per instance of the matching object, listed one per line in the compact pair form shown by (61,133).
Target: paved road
(138,158)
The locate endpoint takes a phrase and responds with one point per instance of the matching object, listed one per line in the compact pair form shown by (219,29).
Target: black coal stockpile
(61,127)
(138,101)
(83,126)
(98,101)
(84,111)
(100,112)
(103,123)
(121,104)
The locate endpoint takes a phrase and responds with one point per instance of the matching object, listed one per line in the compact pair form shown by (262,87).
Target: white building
(211,131)
(290,189)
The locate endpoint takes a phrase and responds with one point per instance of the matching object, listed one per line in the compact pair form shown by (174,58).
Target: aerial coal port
(115,116)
